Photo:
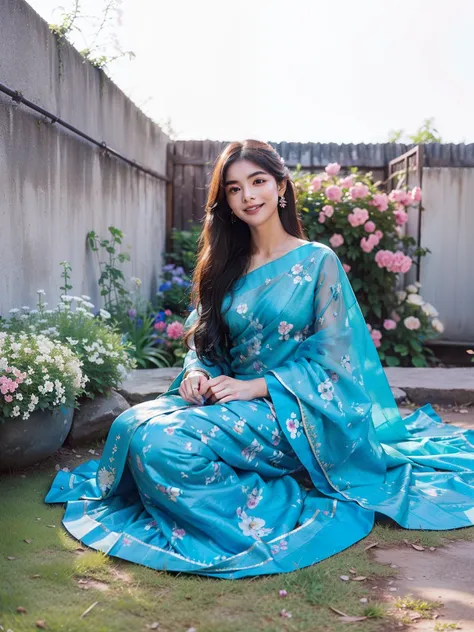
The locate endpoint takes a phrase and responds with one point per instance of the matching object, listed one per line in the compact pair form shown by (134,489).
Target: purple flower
(132,313)
(169,267)
(179,270)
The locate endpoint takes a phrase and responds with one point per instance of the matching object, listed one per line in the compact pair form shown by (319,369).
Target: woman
(280,439)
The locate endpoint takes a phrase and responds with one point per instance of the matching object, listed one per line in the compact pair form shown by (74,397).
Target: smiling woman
(280,439)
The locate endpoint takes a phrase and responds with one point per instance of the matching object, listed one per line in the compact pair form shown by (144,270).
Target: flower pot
(24,442)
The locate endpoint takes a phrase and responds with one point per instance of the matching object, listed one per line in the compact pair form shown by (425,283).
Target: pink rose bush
(366,228)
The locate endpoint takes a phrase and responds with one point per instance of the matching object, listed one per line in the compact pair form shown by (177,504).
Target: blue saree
(279,483)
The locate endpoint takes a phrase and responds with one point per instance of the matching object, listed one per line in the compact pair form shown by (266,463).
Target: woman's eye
(259,180)
(234,189)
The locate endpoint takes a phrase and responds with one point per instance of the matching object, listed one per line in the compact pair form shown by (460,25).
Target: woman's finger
(226,392)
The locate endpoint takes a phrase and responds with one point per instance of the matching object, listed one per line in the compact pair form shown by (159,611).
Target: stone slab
(145,384)
(94,418)
(432,385)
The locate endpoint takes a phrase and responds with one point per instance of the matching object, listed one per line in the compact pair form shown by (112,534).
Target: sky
(301,71)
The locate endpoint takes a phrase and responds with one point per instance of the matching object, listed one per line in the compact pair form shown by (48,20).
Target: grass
(130,597)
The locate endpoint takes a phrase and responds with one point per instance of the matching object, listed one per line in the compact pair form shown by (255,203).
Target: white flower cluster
(26,364)
(412,296)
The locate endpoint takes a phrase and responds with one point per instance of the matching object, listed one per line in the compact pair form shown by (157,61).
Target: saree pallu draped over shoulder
(273,484)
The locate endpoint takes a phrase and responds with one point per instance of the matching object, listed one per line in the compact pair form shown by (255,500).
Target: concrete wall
(447,229)
(56,186)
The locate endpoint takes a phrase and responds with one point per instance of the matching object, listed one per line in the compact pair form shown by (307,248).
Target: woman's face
(251,192)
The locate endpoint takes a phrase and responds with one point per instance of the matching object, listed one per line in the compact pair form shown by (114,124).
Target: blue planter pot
(24,442)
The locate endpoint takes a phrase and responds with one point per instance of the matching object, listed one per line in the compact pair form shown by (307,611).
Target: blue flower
(179,270)
(167,285)
(160,317)
(178,280)
(169,267)
(139,322)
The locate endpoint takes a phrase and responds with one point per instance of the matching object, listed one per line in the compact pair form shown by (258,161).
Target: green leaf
(392,361)
(401,349)
(419,361)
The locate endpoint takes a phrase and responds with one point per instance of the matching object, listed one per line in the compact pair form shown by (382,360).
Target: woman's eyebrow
(255,173)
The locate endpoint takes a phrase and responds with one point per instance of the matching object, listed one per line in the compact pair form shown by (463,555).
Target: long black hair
(224,247)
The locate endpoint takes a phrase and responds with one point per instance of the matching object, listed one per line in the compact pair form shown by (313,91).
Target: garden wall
(56,186)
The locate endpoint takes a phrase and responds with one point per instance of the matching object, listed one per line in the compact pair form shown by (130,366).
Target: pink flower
(396,317)
(400,196)
(359,190)
(401,217)
(321,218)
(178,533)
(412,323)
(416,194)
(159,326)
(328,210)
(334,193)
(175,330)
(346,268)
(347,182)
(376,336)
(369,327)
(367,244)
(380,201)
(168,312)
(369,227)
(285,615)
(336,240)
(358,217)
(283,593)
(389,324)
(315,184)
(8,398)
(384,258)
(333,169)
(379,234)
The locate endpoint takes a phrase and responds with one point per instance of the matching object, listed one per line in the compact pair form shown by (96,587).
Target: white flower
(413,289)
(242,308)
(105,479)
(16,411)
(415,299)
(437,325)
(14,310)
(326,389)
(284,329)
(85,297)
(253,527)
(25,308)
(418,284)
(429,310)
(42,292)
(104,314)
(412,323)
(401,295)
(66,298)
(297,269)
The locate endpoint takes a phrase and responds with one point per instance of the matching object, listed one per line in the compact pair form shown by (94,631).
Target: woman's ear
(282,188)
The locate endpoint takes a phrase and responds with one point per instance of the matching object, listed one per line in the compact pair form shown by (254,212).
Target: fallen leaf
(80,549)
(393,566)
(339,612)
(41,624)
(463,411)
(345,578)
(154,626)
(11,558)
(88,609)
(418,547)
(35,576)
(359,578)
(432,548)
(351,619)
(414,616)
(51,526)
(363,600)
(21,610)
(28,541)
(370,546)
(353,571)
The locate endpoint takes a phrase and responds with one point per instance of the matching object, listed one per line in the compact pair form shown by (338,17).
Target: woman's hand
(193,387)
(224,389)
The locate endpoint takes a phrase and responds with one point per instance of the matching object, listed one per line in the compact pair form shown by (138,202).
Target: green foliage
(112,279)
(91,53)
(36,374)
(399,341)
(104,358)
(184,248)
(426,133)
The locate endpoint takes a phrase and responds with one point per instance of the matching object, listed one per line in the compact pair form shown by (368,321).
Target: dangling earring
(232,217)
(282,202)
